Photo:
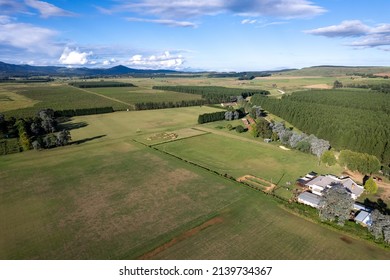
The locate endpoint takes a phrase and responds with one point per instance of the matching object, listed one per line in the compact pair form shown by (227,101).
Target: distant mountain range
(7,70)
(14,70)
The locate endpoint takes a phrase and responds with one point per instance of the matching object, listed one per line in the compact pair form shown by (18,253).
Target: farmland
(155,184)
(55,96)
(109,197)
(138,95)
(25,100)
(220,152)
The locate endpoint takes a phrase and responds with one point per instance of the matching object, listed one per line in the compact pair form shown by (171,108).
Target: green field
(109,197)
(26,100)
(218,151)
(54,96)
(138,95)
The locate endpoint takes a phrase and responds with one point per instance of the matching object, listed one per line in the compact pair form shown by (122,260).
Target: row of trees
(300,141)
(214,94)
(82,112)
(211,117)
(353,120)
(385,88)
(362,162)
(164,105)
(100,84)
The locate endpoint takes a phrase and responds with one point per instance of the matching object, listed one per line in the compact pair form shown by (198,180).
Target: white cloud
(166,61)
(184,9)
(26,36)
(347,28)
(109,62)
(375,36)
(5,19)
(46,9)
(169,22)
(372,40)
(74,57)
(249,21)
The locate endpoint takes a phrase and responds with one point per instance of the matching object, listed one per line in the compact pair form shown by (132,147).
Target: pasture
(138,95)
(108,197)
(237,157)
(55,96)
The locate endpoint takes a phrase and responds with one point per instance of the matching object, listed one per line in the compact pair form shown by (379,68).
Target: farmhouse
(319,183)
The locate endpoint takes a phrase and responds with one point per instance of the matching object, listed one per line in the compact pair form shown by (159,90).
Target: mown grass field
(139,95)
(218,151)
(55,96)
(111,198)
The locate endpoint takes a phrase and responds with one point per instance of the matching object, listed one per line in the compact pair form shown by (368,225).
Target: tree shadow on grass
(379,204)
(71,126)
(81,141)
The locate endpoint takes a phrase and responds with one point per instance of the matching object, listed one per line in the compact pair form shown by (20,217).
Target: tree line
(353,120)
(100,84)
(39,132)
(381,87)
(82,112)
(164,105)
(211,117)
(214,94)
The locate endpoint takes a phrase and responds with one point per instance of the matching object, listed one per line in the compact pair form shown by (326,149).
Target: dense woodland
(357,120)
(40,132)
(214,94)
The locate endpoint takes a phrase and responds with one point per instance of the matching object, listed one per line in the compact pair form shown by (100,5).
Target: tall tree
(380,226)
(63,138)
(337,84)
(336,204)
(328,158)
(370,186)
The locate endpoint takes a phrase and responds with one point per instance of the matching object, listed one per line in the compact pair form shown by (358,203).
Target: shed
(310,199)
(363,218)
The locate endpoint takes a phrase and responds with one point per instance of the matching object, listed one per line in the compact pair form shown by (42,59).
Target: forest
(214,94)
(357,120)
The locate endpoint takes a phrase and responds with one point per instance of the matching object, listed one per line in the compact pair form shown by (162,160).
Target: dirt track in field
(266,189)
(181,237)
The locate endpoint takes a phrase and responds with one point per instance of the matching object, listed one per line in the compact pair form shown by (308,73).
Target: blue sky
(229,35)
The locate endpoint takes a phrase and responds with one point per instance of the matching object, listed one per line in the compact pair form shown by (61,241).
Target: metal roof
(310,198)
(363,217)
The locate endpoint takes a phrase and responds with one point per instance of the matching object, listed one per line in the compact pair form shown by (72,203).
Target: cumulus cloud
(108,62)
(370,36)
(26,36)
(74,57)
(46,9)
(184,9)
(166,61)
(168,22)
